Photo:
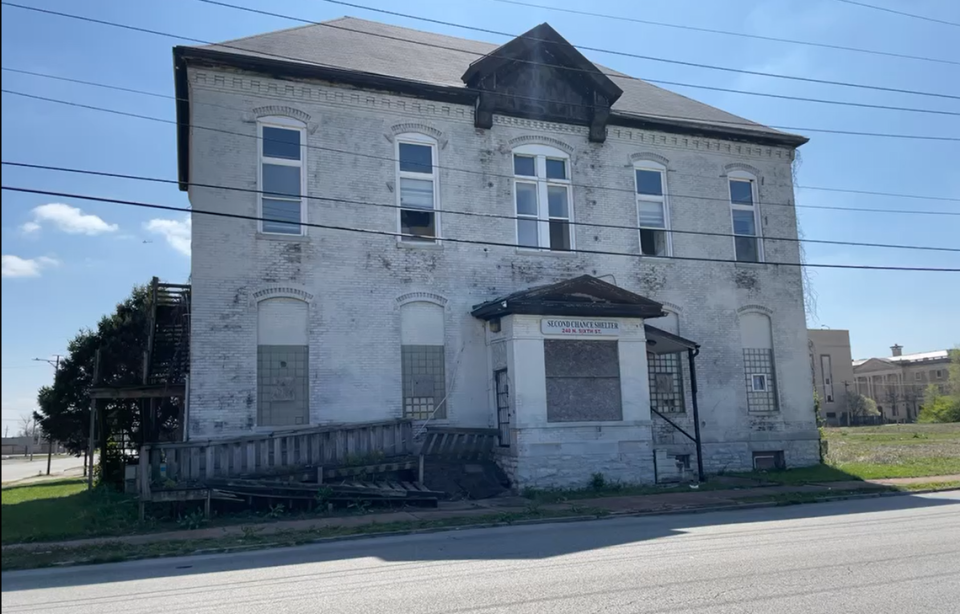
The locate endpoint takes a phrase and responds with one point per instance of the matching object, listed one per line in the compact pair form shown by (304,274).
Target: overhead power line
(678,26)
(645,57)
(335,26)
(466,170)
(313,63)
(387,233)
(904,14)
(169,97)
(469,213)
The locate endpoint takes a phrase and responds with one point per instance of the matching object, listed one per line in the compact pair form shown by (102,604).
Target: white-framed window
(417,188)
(758,382)
(281,177)
(745,214)
(542,197)
(653,214)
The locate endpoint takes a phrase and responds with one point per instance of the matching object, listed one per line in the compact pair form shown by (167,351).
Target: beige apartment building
(897,382)
(832,367)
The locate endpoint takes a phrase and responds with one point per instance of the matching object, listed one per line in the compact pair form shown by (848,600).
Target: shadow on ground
(530,542)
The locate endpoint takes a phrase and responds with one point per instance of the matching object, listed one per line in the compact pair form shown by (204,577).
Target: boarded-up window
(282,363)
(583,380)
(758,362)
(666,382)
(422,361)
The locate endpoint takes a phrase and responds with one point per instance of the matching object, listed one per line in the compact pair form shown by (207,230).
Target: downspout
(691,355)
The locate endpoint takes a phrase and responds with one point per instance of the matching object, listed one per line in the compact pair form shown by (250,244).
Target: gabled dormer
(539,75)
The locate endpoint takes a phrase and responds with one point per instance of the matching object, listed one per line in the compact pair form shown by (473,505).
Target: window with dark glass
(542,197)
(281,180)
(652,212)
(417,190)
(745,220)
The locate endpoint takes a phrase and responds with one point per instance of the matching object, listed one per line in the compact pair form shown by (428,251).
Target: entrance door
(503,407)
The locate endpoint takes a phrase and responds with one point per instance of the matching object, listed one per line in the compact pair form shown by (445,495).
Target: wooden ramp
(346,491)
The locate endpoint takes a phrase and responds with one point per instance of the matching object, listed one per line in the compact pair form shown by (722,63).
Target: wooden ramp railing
(191,463)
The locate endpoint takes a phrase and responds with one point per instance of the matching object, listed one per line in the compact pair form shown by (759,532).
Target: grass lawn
(895,451)
(877,452)
(64,510)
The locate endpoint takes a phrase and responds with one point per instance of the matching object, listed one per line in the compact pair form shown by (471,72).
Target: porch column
(527,373)
(634,374)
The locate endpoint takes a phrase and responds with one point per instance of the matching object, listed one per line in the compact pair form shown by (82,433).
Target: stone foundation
(738,456)
(567,457)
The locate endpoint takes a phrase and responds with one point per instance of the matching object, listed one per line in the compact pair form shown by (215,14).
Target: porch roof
(662,342)
(581,296)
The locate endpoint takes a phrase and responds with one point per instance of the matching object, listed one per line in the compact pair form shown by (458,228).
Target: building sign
(558,326)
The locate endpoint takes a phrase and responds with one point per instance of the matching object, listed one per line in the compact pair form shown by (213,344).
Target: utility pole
(846,398)
(56,368)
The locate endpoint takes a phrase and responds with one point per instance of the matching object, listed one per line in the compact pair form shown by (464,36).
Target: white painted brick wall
(355,279)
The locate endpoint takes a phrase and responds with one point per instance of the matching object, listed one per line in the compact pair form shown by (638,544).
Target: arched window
(542,197)
(282,182)
(417,190)
(756,338)
(653,212)
(745,213)
(423,361)
(283,397)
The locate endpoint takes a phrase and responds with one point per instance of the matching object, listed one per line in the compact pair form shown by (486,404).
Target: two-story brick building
(479,236)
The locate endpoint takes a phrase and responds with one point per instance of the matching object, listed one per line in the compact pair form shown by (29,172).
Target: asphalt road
(876,556)
(18,469)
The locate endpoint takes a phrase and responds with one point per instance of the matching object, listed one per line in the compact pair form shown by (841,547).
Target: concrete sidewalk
(490,510)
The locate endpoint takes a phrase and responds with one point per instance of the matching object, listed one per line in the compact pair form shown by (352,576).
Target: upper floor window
(939,374)
(652,212)
(746,218)
(282,148)
(417,188)
(542,197)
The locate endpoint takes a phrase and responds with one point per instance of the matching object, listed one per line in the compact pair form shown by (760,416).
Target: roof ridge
(402,52)
(281,31)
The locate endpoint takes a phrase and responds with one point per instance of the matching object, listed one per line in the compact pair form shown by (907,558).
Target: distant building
(897,382)
(832,366)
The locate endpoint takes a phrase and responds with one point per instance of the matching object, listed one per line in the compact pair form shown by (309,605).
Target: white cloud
(69,219)
(176,232)
(15,266)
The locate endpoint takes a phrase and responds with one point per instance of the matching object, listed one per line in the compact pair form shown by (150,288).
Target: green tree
(861,406)
(940,407)
(121,337)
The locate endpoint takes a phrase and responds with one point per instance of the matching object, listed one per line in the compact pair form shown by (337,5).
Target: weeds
(276,511)
(598,481)
(191,521)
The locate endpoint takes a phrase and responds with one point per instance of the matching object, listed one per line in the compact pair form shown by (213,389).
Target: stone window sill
(524,251)
(266,236)
(417,245)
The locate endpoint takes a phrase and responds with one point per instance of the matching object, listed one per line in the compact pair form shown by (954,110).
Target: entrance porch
(571,389)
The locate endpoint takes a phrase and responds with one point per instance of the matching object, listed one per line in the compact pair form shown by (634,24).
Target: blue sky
(64,268)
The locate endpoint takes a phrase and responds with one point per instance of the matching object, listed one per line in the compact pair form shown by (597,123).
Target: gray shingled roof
(372,47)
